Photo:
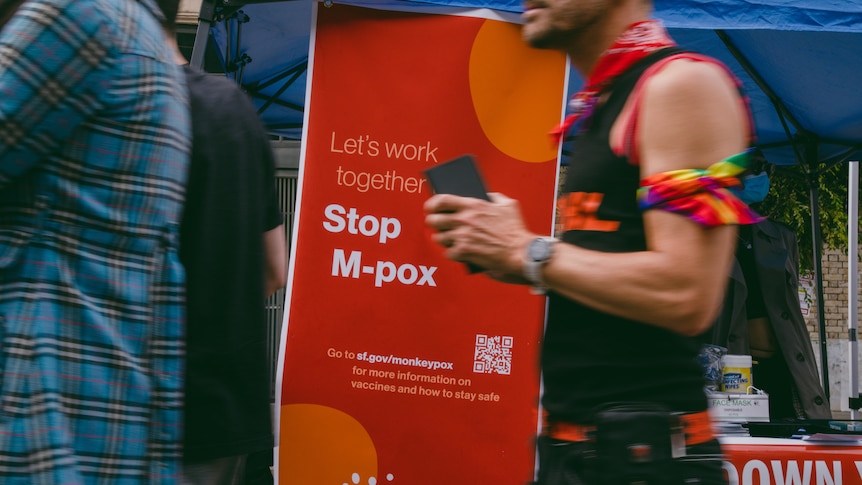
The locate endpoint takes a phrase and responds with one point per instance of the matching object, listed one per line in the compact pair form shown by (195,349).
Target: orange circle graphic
(534,103)
(320,444)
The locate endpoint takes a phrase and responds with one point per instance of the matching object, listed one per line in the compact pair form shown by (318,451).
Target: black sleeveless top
(588,357)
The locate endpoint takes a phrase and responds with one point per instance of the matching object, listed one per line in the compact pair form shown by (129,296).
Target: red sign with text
(764,461)
(398,365)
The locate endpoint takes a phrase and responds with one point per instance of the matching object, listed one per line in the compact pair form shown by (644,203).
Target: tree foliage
(789,202)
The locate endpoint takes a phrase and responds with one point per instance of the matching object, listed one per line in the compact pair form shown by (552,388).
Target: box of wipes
(738,408)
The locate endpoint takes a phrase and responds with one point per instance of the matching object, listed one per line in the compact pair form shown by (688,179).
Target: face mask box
(738,408)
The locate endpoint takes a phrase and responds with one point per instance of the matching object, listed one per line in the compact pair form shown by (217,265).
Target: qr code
(493,355)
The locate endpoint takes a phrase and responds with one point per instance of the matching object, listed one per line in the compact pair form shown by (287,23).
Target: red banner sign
(763,461)
(398,365)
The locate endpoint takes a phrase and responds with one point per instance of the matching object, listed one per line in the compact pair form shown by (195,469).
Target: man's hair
(757,163)
(7,9)
(169,8)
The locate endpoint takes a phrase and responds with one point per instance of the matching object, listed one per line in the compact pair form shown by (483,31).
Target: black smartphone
(459,176)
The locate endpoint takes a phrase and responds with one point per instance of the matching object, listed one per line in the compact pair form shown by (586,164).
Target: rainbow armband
(701,195)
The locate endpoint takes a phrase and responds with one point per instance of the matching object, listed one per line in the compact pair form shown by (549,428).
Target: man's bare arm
(275,260)
(690,117)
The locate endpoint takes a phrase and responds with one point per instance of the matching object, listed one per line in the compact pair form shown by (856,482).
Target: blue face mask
(755,190)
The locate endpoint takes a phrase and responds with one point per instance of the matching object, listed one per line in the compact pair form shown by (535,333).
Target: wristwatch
(538,253)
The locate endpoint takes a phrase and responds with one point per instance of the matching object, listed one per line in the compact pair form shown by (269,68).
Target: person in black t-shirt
(232,244)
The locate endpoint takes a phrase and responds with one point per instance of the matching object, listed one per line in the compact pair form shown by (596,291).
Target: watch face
(539,249)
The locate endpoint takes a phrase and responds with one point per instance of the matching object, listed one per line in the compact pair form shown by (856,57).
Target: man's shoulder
(211,85)
(775,228)
(694,89)
(692,115)
(215,97)
(687,73)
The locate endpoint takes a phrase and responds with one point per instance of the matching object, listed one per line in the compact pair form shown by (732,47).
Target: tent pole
(205,22)
(853,284)
(814,190)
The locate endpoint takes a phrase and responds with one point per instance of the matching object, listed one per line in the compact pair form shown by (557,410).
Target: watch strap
(533,264)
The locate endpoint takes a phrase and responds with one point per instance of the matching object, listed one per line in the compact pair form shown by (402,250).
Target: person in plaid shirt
(94,148)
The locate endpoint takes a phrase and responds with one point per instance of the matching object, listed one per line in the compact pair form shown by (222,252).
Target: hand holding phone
(459,176)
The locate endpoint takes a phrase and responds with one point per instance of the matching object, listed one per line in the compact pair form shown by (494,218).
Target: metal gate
(286,189)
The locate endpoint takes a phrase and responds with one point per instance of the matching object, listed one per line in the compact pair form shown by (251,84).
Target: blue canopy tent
(799,61)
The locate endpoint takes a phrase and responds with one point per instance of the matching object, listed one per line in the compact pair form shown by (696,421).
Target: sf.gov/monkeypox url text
(391,359)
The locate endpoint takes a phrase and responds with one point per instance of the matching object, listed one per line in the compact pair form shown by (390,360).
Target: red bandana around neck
(638,41)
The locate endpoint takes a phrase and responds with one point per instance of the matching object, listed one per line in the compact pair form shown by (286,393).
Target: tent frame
(804,143)
(214,11)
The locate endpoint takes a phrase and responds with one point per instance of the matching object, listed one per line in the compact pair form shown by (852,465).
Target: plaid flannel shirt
(94,142)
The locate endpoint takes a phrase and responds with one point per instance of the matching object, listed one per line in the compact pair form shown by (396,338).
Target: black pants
(773,376)
(220,471)
(257,468)
(568,463)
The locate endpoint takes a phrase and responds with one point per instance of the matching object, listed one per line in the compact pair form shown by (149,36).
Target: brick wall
(835,297)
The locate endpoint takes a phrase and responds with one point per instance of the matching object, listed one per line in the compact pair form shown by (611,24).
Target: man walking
(94,150)
(647,234)
(232,244)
